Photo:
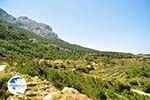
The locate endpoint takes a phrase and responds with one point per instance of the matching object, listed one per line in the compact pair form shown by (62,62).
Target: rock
(31,84)
(37,93)
(88,66)
(72,94)
(28,24)
(48,97)
(33,26)
(36,78)
(30,94)
(2,67)
(73,69)
(53,89)
(67,90)
(33,40)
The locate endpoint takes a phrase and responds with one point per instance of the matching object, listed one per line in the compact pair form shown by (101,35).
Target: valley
(86,73)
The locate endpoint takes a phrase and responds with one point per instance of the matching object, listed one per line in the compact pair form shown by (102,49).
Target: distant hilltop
(29,24)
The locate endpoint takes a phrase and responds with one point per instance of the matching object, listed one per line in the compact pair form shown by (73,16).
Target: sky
(105,25)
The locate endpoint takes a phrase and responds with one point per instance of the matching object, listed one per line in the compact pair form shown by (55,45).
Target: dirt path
(140,92)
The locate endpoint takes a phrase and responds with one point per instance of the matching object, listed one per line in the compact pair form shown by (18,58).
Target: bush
(147,89)
(102,96)
(121,87)
(3,86)
(134,82)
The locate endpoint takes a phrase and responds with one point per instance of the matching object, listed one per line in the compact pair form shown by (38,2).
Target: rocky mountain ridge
(29,24)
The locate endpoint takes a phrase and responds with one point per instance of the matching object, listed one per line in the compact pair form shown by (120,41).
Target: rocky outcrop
(33,40)
(38,89)
(72,94)
(29,24)
(38,28)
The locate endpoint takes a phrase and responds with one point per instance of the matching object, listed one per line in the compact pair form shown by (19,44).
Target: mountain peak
(36,27)
(23,17)
(29,24)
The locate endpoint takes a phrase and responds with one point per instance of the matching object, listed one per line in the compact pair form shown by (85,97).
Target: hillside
(23,41)
(99,75)
(38,89)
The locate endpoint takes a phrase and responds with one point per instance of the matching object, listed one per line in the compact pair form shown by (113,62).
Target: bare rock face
(33,26)
(28,24)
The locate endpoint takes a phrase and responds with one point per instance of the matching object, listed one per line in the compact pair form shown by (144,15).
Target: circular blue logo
(17,85)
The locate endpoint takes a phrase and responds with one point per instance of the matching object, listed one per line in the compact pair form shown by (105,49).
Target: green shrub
(3,86)
(147,88)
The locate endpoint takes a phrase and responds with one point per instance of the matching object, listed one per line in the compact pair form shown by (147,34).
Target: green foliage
(147,88)
(85,69)
(16,42)
(122,87)
(115,73)
(3,86)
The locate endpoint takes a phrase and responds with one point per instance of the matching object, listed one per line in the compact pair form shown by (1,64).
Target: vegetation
(100,75)
(3,86)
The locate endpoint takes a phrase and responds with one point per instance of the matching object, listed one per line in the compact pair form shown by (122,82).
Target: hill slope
(19,41)
(99,75)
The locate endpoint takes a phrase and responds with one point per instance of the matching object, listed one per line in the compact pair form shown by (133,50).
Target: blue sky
(106,25)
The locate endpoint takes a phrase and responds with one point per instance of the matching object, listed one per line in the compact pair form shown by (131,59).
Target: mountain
(29,24)
(5,16)
(33,26)
(24,41)
(44,32)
